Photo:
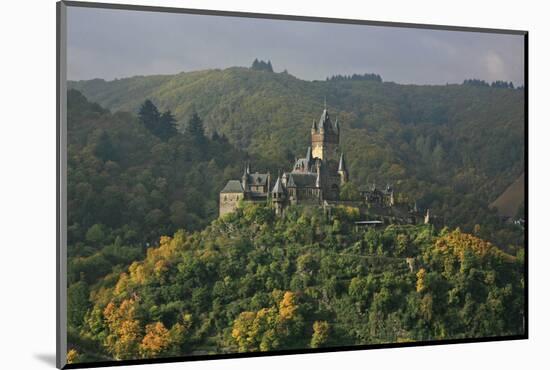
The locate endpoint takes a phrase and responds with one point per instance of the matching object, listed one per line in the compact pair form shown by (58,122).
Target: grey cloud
(114,43)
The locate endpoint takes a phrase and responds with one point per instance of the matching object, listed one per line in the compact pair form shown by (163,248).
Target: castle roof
(278,188)
(302,180)
(301,165)
(290,183)
(342,164)
(233,186)
(324,121)
(258,178)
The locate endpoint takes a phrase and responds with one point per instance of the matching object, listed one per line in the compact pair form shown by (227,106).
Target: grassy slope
(510,200)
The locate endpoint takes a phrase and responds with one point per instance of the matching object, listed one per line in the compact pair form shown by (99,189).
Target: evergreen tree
(195,128)
(162,125)
(167,127)
(104,149)
(77,303)
(149,115)
(260,65)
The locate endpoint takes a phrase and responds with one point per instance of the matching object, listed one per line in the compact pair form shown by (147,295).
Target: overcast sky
(120,43)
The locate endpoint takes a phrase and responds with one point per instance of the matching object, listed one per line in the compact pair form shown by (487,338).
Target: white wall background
(27,183)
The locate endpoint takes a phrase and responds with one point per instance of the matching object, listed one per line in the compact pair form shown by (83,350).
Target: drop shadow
(47,358)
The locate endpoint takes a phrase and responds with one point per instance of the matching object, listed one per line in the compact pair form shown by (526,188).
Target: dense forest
(453,149)
(153,272)
(130,180)
(255,282)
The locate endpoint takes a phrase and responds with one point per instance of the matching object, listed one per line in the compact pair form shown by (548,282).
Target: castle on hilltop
(315,179)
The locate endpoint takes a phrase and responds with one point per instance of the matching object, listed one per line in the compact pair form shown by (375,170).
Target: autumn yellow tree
(241,333)
(420,280)
(268,328)
(73,356)
(124,329)
(156,340)
(320,334)
(288,307)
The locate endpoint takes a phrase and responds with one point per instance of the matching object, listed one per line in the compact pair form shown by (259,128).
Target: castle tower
(278,197)
(343,170)
(324,138)
(244,180)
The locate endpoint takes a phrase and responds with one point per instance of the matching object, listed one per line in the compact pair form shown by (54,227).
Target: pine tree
(104,149)
(167,127)
(194,128)
(149,115)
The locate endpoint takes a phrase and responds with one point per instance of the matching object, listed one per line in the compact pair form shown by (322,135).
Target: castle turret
(278,196)
(342,170)
(244,179)
(324,138)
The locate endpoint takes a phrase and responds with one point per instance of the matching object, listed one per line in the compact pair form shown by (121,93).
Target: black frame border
(61,35)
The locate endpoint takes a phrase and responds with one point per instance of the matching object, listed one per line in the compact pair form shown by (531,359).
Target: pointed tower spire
(318,179)
(278,188)
(314,126)
(342,163)
(427,217)
(244,181)
(342,170)
(278,196)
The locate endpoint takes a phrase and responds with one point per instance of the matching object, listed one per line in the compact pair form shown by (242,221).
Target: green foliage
(152,186)
(453,149)
(162,125)
(303,279)
(320,334)
(260,65)
(77,303)
(349,191)
(356,77)
(252,282)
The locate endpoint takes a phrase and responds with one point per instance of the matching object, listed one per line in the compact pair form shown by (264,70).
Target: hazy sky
(119,43)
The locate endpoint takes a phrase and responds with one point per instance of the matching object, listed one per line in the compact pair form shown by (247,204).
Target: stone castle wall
(229,202)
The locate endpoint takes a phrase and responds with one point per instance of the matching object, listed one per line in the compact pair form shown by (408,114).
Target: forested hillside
(453,149)
(254,282)
(153,272)
(127,186)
